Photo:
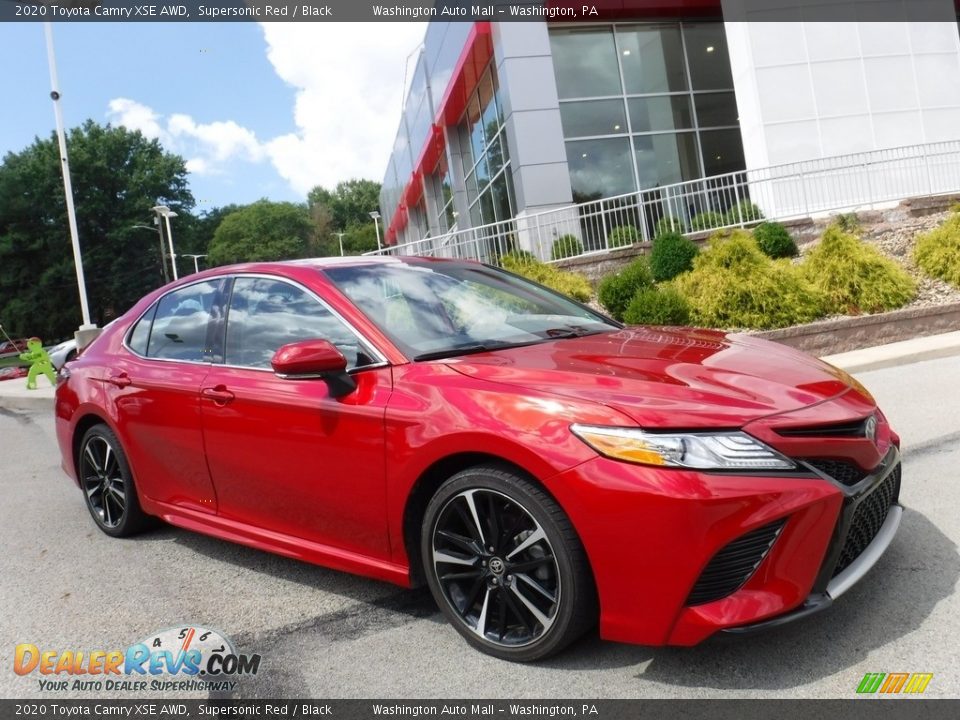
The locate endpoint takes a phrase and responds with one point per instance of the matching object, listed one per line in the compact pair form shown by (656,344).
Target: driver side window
(266,314)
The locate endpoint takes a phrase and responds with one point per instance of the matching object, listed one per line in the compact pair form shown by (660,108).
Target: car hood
(668,377)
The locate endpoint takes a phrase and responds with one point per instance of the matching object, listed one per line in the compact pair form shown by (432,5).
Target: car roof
(324,263)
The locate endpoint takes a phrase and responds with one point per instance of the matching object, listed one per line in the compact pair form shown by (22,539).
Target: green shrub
(855,277)
(848,223)
(616,291)
(657,306)
(668,224)
(955,208)
(707,221)
(734,285)
(774,240)
(938,251)
(566,246)
(572,284)
(744,211)
(516,257)
(623,235)
(671,255)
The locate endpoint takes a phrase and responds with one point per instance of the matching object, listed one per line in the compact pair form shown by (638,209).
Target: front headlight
(700,451)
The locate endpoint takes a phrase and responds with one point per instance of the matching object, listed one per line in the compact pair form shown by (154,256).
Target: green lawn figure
(39,363)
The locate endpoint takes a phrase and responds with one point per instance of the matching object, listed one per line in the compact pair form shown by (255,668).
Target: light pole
(340,238)
(376,223)
(159,232)
(196,269)
(68,188)
(166,213)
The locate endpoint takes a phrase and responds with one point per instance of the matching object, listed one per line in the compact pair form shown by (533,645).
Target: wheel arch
(80,428)
(426,487)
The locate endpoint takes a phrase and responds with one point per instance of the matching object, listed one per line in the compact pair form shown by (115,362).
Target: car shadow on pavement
(920,569)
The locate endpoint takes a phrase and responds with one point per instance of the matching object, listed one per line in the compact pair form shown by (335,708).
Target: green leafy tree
(117,175)
(349,203)
(345,209)
(262,231)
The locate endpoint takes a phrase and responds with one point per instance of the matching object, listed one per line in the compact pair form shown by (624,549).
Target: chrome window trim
(380,358)
(126,336)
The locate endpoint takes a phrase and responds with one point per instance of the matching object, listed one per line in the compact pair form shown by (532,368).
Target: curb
(14,396)
(904,352)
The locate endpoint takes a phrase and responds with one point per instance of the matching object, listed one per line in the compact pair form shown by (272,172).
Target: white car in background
(60,354)
(66,351)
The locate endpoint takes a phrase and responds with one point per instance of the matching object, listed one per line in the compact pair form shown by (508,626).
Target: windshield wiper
(563,333)
(465,349)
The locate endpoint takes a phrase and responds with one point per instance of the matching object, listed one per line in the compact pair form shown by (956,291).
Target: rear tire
(107,484)
(505,565)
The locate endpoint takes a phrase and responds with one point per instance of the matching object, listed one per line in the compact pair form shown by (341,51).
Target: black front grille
(868,518)
(733,565)
(855,428)
(843,472)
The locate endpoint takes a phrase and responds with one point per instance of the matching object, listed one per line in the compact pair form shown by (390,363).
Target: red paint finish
(282,465)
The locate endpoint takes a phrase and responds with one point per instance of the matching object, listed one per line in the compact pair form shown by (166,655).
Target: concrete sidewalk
(898,353)
(15,396)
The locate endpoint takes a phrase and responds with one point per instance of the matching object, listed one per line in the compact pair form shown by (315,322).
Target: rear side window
(266,314)
(140,335)
(181,323)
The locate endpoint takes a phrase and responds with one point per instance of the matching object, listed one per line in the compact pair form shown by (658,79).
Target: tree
(262,231)
(118,175)
(345,209)
(350,203)
(194,234)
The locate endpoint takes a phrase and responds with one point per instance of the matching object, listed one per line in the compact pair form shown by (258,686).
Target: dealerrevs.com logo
(182,659)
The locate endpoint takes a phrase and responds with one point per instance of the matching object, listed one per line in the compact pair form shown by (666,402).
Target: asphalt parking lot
(325,634)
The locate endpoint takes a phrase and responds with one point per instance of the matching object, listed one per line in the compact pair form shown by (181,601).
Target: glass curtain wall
(441,190)
(485,156)
(644,106)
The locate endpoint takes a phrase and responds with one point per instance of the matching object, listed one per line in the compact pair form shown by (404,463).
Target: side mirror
(314,359)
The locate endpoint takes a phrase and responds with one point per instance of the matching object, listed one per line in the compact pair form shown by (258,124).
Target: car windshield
(435,310)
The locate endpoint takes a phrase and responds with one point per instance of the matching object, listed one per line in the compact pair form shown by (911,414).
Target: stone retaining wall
(828,337)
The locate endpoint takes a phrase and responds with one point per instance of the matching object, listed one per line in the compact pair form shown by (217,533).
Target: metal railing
(782,192)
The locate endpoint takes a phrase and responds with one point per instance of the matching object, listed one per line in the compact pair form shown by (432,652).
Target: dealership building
(548,120)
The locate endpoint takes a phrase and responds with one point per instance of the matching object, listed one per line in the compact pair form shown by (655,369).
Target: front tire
(505,565)
(107,484)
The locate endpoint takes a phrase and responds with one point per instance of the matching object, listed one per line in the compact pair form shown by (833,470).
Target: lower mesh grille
(868,518)
(733,565)
(843,472)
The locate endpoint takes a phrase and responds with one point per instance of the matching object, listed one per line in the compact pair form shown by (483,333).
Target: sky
(256,110)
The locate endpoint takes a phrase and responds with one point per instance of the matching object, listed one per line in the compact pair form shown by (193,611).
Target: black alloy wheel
(505,565)
(107,484)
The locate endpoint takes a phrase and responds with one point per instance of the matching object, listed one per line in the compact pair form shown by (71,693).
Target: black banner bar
(873,708)
(460,11)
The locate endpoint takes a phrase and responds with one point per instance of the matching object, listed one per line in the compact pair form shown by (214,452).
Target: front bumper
(832,583)
(651,532)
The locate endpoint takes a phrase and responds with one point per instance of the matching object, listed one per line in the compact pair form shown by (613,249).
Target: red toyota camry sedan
(540,467)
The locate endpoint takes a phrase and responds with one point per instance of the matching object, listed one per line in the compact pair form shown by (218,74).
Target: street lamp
(196,269)
(167,213)
(87,330)
(159,232)
(376,223)
(340,238)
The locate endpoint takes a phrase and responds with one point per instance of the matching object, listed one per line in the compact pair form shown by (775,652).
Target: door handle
(219,394)
(120,381)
